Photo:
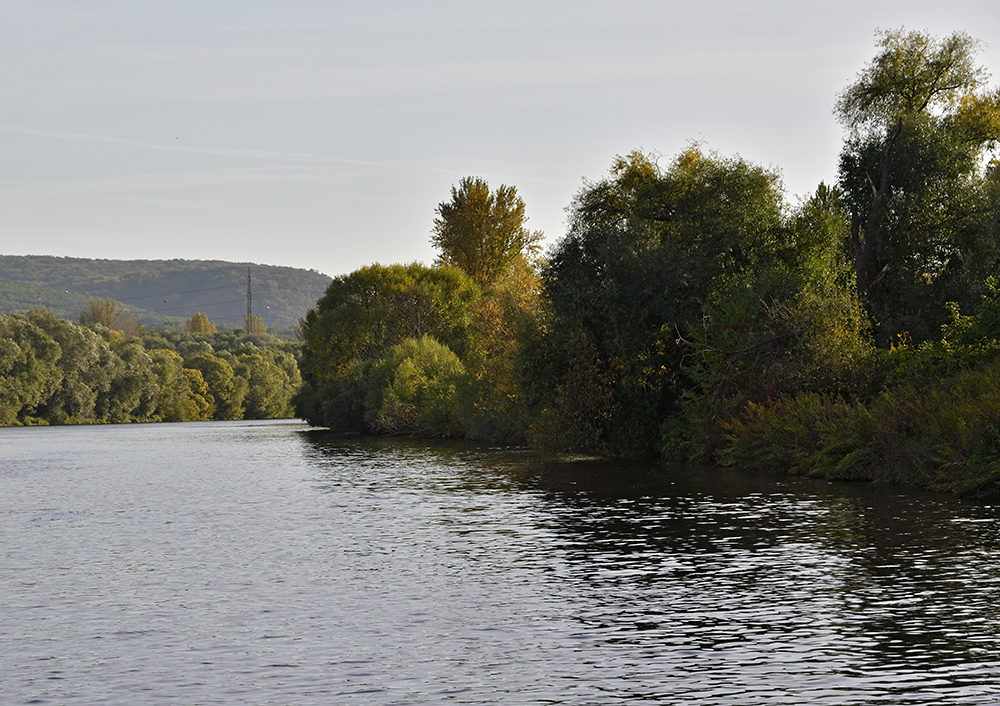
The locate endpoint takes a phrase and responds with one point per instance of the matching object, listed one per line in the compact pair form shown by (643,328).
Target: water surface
(255,563)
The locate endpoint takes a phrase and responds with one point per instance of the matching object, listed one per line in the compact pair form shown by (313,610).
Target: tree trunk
(868,269)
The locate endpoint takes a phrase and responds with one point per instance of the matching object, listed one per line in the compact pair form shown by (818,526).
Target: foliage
(29,369)
(934,424)
(483,232)
(199,323)
(913,73)
(981,330)
(800,435)
(87,364)
(965,343)
(178,400)
(923,214)
(941,436)
(645,249)
(254,325)
(921,125)
(381,346)
(407,348)
(227,391)
(506,319)
(365,313)
(111,315)
(415,388)
(792,326)
(270,386)
(132,392)
(337,402)
(55,372)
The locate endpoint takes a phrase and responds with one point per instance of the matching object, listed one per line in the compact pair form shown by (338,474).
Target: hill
(160,292)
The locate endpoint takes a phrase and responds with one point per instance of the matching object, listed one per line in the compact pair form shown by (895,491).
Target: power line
(190,291)
(189,307)
(194,306)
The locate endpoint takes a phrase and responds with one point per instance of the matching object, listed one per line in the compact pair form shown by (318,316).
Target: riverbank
(940,434)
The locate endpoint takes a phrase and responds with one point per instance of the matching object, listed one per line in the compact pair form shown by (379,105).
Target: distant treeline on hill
(160,292)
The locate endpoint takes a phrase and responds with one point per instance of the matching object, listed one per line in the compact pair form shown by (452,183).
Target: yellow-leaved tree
(199,323)
(483,232)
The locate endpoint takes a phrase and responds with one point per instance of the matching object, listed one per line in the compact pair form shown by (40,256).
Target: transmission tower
(249,324)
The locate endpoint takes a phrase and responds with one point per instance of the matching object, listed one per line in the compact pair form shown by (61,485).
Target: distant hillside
(160,292)
(16,298)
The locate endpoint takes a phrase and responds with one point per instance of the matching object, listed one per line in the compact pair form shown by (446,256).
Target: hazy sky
(323,134)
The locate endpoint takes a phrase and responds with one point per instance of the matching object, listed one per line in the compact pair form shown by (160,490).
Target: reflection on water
(254,563)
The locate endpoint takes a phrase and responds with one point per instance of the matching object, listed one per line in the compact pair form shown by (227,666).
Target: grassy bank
(939,433)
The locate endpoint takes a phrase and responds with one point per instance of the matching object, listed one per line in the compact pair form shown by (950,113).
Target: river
(268,563)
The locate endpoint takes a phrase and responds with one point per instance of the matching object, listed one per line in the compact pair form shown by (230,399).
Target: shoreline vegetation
(689,313)
(109,369)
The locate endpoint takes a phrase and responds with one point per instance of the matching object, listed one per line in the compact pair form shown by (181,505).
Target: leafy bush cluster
(943,435)
(419,350)
(55,372)
(934,421)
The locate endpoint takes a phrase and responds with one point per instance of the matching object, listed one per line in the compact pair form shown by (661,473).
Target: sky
(322,134)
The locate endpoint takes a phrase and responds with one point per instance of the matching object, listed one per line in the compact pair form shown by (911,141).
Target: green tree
(132,390)
(226,391)
(254,325)
(361,317)
(269,387)
(198,394)
(416,388)
(645,248)
(88,365)
(791,325)
(482,231)
(920,122)
(111,314)
(337,402)
(29,369)
(177,401)
(365,313)
(506,318)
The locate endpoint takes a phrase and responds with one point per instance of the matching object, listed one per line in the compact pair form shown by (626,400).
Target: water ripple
(262,563)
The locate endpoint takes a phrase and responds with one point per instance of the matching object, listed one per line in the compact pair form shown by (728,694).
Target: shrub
(942,435)
(416,389)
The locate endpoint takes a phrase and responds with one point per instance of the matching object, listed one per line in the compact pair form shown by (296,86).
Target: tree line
(689,312)
(53,371)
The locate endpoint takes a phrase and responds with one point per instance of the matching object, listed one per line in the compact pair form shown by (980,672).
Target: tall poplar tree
(481,231)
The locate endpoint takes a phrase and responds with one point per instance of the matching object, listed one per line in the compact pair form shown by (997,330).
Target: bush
(337,403)
(942,435)
(416,388)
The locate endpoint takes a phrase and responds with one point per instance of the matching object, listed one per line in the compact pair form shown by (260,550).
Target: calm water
(236,563)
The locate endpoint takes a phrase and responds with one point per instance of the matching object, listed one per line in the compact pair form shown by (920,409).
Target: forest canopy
(53,371)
